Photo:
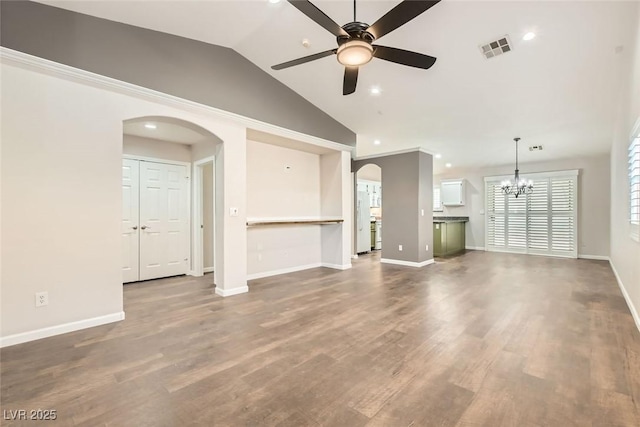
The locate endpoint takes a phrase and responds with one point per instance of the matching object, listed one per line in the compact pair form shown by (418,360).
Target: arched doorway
(368,209)
(168,223)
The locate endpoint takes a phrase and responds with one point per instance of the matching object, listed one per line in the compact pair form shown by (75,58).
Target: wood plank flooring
(480,339)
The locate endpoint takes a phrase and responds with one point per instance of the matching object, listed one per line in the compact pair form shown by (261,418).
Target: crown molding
(55,69)
(393,153)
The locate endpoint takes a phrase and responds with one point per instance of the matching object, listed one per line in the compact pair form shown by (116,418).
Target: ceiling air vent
(535,148)
(495,48)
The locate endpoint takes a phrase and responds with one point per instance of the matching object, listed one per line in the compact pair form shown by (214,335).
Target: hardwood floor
(481,339)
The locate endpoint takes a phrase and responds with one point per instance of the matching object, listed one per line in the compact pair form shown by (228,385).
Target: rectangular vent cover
(535,148)
(497,47)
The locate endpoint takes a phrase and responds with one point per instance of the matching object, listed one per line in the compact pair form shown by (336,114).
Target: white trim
(393,153)
(156,160)
(207,270)
(627,298)
(596,257)
(60,329)
(283,271)
(232,291)
(475,248)
(407,263)
(197,247)
(568,172)
(354,256)
(337,266)
(34,63)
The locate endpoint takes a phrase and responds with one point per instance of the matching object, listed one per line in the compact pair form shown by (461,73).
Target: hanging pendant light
(519,185)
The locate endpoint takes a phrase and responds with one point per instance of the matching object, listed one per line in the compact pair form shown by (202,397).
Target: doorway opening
(167,219)
(368,209)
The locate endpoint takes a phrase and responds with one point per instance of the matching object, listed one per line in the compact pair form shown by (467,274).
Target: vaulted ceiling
(559,90)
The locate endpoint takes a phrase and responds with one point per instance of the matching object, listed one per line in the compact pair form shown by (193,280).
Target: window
(634,186)
(437,201)
(543,222)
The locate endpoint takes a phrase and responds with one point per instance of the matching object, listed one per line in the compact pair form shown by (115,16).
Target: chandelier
(519,185)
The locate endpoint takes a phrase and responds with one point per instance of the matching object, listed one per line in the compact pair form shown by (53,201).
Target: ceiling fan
(355,39)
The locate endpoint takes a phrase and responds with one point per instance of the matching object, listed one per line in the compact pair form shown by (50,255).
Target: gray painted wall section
(407,188)
(193,70)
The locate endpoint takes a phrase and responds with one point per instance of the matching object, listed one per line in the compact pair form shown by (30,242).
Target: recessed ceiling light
(375,90)
(274,1)
(377,142)
(150,126)
(448,165)
(438,156)
(529,36)
(305,42)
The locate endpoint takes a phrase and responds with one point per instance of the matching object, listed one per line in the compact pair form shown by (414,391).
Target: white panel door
(164,222)
(130,224)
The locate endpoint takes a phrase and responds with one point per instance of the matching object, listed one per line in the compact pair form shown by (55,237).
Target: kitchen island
(448,234)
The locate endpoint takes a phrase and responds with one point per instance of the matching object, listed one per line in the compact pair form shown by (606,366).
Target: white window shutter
(543,222)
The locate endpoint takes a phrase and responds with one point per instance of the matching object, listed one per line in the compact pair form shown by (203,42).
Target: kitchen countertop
(440,219)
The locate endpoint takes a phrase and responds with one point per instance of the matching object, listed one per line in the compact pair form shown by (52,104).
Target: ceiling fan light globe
(354,53)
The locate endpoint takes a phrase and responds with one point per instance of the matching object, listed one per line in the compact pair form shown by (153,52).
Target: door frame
(189,190)
(198,217)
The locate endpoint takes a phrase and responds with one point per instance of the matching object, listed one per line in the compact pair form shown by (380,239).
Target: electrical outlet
(422,210)
(400,248)
(42,298)
(426,247)
(259,257)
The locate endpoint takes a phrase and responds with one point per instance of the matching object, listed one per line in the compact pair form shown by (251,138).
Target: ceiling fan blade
(404,57)
(318,16)
(400,15)
(350,80)
(304,59)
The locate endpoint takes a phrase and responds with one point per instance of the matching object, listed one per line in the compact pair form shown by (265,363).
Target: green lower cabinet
(448,238)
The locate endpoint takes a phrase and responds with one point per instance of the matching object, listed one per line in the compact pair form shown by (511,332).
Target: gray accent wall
(212,75)
(407,201)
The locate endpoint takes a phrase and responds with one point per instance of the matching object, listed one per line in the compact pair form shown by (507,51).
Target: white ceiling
(558,90)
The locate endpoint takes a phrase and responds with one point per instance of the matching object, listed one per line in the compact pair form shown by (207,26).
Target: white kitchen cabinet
(452,192)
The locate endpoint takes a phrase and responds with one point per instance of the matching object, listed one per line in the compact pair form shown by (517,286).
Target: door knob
(144,227)
(135,227)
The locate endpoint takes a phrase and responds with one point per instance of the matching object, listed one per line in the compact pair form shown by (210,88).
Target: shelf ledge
(301,221)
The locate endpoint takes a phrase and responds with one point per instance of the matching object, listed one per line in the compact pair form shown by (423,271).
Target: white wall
(625,252)
(147,147)
(593,211)
(61,197)
(276,192)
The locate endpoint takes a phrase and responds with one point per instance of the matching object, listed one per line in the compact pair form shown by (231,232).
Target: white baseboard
(354,256)
(475,248)
(60,329)
(283,271)
(337,266)
(596,257)
(232,291)
(627,298)
(208,270)
(407,263)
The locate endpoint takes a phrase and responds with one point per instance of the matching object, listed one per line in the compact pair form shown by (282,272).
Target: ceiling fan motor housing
(355,31)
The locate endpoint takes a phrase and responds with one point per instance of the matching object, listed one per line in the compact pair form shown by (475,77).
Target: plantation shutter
(563,208)
(543,222)
(496,228)
(538,217)
(634,182)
